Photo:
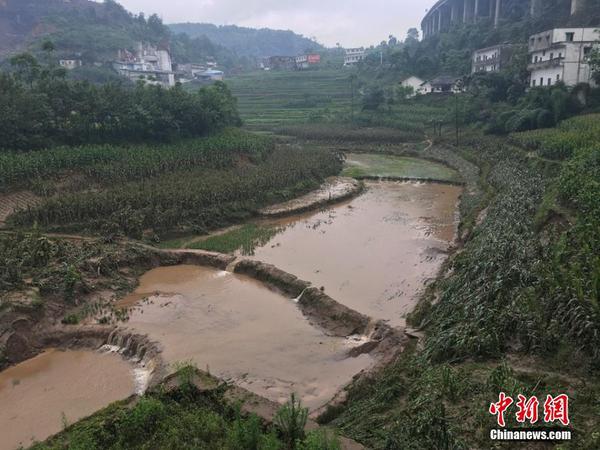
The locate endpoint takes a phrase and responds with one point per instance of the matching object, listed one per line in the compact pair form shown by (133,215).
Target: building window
(533,83)
(541,81)
(551,56)
(544,53)
(587,51)
(570,37)
(557,77)
(549,81)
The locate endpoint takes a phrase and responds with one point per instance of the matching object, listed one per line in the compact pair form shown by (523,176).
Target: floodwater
(239,330)
(39,395)
(374,253)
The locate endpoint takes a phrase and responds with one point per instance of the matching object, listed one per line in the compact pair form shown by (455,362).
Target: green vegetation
(414,404)
(36,270)
(109,164)
(186,418)
(345,134)
(249,42)
(561,142)
(94,31)
(327,105)
(389,166)
(244,239)
(40,108)
(273,98)
(524,289)
(450,52)
(195,199)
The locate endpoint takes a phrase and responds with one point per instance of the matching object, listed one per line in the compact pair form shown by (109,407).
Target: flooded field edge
(334,190)
(384,342)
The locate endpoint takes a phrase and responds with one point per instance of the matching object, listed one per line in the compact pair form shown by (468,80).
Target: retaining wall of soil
(318,307)
(343,189)
(413,179)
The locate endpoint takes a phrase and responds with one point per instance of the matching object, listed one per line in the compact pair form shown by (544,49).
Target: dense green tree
(41,107)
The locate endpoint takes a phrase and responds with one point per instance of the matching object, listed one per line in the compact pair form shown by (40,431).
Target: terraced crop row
(561,142)
(109,163)
(197,198)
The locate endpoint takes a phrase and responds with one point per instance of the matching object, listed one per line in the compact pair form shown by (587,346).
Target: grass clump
(389,166)
(186,418)
(244,239)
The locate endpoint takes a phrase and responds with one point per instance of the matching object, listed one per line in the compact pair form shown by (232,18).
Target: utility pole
(352,77)
(456,116)
(459,86)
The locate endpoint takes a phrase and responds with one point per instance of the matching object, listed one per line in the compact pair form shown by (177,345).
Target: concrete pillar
(453,12)
(466,8)
(576,6)
(438,14)
(536,8)
(497,13)
(476,11)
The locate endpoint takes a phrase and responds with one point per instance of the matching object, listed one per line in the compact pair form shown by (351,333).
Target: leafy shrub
(291,420)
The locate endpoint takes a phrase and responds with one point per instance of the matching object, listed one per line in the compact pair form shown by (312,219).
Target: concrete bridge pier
(535,8)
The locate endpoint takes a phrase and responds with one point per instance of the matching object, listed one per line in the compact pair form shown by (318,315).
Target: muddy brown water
(40,394)
(374,253)
(237,329)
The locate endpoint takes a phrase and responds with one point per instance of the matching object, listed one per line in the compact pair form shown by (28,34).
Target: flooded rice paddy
(374,253)
(39,396)
(237,329)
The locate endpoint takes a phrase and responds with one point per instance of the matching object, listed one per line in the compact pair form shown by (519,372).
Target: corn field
(192,198)
(107,164)
(561,142)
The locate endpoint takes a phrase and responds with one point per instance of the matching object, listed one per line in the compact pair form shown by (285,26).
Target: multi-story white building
(354,56)
(148,63)
(560,55)
(70,64)
(491,59)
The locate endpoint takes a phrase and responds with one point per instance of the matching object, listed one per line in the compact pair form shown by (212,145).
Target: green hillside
(279,98)
(250,42)
(94,31)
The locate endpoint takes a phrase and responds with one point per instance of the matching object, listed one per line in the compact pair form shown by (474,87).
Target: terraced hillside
(268,99)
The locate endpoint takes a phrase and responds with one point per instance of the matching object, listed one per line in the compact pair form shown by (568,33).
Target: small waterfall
(231,266)
(136,349)
(297,299)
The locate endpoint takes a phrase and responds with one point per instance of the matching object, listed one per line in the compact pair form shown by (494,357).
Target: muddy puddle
(38,396)
(237,329)
(374,253)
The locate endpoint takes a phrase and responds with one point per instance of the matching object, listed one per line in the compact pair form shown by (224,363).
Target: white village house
(148,63)
(70,64)
(491,59)
(418,85)
(354,56)
(560,55)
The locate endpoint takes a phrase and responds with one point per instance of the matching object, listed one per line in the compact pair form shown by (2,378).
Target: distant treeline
(39,108)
